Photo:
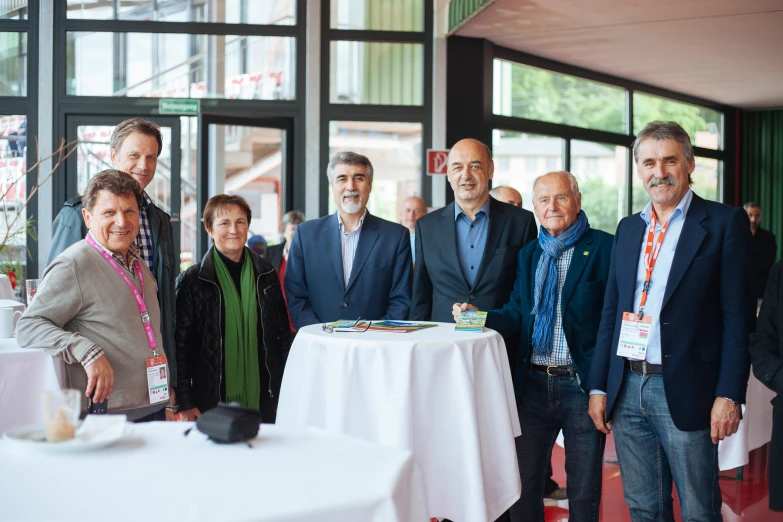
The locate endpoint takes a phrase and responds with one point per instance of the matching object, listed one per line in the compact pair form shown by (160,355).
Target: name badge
(634,335)
(157,379)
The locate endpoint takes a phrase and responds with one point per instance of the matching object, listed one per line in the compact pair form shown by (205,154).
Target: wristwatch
(731,400)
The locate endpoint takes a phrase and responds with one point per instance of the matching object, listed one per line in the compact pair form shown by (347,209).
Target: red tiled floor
(744,500)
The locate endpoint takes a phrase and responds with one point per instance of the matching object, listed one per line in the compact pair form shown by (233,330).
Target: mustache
(350,193)
(661,182)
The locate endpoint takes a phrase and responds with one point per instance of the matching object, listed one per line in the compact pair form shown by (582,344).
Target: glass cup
(61,410)
(32,288)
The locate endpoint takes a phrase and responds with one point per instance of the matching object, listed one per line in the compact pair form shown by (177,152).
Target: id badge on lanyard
(155,366)
(635,327)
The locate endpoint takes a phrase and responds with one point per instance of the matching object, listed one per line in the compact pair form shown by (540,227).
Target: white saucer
(34,438)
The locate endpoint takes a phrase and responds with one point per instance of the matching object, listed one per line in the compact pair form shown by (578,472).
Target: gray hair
(668,130)
(751,204)
(571,181)
(348,158)
(293,217)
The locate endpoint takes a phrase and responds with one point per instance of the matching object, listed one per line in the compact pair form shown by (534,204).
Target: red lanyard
(650,257)
(145,317)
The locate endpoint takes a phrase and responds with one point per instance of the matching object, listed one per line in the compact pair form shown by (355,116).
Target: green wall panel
(761,172)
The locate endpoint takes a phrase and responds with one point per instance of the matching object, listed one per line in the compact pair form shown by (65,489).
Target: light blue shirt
(660,274)
(413,246)
(348,243)
(471,239)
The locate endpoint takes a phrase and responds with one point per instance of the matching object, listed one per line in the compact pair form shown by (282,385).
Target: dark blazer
(581,301)
(766,250)
(707,314)
(274,255)
(766,352)
(438,282)
(380,285)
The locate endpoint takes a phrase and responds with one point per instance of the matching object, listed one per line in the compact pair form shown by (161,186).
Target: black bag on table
(229,423)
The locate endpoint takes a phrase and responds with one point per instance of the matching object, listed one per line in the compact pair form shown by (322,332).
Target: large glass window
(180,66)
(520,158)
(13,10)
(394,149)
(601,172)
(268,12)
(376,73)
(537,94)
(14,226)
(705,126)
(382,15)
(13,64)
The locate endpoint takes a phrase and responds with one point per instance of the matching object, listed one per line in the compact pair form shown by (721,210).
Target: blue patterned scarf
(546,281)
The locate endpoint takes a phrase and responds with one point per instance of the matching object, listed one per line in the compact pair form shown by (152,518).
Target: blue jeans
(652,452)
(547,405)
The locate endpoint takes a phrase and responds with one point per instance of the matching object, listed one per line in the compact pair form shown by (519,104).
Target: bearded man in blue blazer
(350,264)
(555,310)
(671,362)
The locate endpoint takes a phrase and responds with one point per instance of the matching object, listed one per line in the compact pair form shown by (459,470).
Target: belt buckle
(644,367)
(550,374)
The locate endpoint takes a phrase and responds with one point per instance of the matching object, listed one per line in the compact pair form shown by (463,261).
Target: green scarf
(243,383)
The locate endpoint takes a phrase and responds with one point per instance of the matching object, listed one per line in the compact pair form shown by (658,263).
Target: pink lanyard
(145,317)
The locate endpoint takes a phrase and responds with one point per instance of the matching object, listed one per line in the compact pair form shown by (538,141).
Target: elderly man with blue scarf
(555,309)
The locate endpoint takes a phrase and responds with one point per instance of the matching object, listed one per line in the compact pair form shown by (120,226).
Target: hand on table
(724,420)
(186,415)
(597,412)
(100,379)
(461,307)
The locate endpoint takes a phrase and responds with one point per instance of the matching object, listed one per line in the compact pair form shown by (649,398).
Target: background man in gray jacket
(135,147)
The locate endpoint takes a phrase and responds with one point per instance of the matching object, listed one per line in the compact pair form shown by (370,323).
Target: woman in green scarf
(232,324)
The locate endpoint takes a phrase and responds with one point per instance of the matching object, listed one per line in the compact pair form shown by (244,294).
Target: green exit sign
(180,107)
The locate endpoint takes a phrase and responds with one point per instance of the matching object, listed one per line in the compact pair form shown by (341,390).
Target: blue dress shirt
(471,239)
(660,273)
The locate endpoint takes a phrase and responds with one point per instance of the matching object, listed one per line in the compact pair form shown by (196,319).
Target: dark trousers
(159,415)
(547,405)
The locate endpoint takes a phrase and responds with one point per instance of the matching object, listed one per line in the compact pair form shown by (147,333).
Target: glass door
(250,158)
(93,155)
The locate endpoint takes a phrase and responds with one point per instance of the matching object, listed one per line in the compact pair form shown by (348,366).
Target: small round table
(445,395)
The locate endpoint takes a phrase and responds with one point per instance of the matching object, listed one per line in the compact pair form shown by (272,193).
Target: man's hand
(461,307)
(100,379)
(597,412)
(188,415)
(724,420)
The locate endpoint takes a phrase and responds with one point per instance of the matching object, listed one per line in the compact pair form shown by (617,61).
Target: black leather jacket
(199,333)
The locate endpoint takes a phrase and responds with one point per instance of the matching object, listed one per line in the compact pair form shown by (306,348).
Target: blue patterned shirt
(144,239)
(560,355)
(471,239)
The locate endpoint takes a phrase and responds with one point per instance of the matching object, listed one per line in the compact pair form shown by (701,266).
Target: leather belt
(643,367)
(554,371)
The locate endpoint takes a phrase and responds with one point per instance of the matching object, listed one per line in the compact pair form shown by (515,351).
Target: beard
(349,207)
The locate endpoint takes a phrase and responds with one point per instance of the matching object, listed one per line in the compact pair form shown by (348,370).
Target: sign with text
(182,107)
(437,162)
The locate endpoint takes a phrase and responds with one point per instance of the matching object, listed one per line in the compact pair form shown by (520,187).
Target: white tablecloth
(445,395)
(24,375)
(157,474)
(755,428)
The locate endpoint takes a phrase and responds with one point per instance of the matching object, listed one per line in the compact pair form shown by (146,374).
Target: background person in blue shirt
(670,409)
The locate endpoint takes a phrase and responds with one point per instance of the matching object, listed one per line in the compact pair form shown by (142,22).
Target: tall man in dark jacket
(135,147)
(766,352)
(555,309)
(467,251)
(350,264)
(671,362)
